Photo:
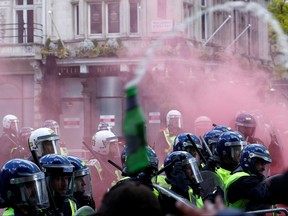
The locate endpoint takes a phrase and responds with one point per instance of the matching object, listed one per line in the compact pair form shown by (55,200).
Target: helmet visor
(33,190)
(113,146)
(82,185)
(246,131)
(14,126)
(192,170)
(48,147)
(236,148)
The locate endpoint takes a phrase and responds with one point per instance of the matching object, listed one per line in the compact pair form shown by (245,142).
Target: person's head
(130,199)
(10,124)
(202,124)
(22,184)
(211,138)
(245,123)
(229,146)
(59,174)
(255,159)
(182,143)
(43,141)
(174,121)
(152,169)
(24,134)
(106,143)
(52,124)
(189,164)
(82,179)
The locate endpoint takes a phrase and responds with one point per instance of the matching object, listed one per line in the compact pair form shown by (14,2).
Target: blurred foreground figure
(130,199)
(164,143)
(23,189)
(210,209)
(9,137)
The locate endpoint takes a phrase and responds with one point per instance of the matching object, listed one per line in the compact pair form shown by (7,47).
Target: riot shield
(211,184)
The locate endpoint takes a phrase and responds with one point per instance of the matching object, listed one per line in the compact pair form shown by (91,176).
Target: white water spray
(252,7)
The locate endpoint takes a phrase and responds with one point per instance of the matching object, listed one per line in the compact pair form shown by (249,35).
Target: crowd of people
(214,170)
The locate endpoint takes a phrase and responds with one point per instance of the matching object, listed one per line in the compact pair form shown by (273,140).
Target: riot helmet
(10,124)
(202,124)
(44,141)
(222,128)
(211,138)
(59,174)
(82,189)
(174,121)
(246,124)
(23,184)
(153,160)
(24,134)
(52,124)
(106,143)
(189,163)
(182,143)
(229,146)
(255,159)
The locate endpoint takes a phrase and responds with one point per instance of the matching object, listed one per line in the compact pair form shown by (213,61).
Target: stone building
(69,60)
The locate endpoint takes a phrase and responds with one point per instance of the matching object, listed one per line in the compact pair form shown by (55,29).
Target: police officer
(246,124)
(59,179)
(105,146)
(23,188)
(82,191)
(165,140)
(227,155)
(246,188)
(22,150)
(9,137)
(43,141)
(183,176)
(182,143)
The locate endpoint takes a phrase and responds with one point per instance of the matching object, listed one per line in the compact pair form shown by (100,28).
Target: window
(76,18)
(188,14)
(24,21)
(204,26)
(104,18)
(113,17)
(134,16)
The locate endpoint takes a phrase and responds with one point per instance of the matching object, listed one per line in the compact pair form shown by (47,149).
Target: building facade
(69,60)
